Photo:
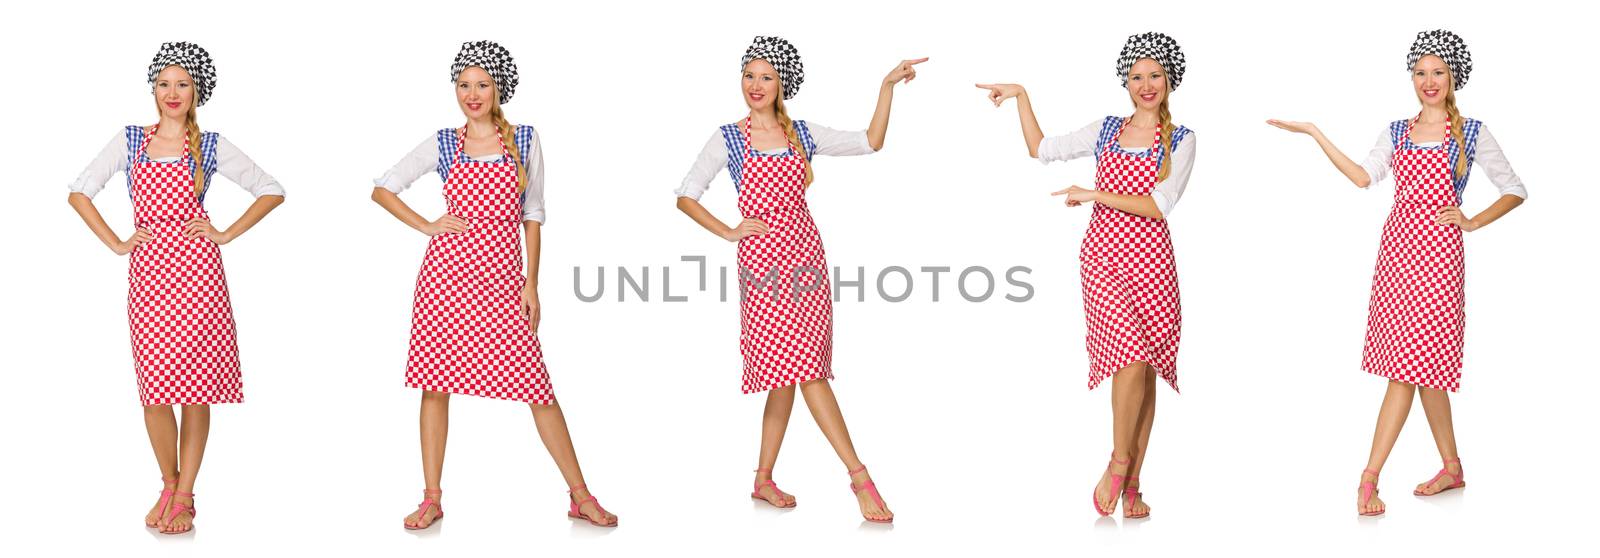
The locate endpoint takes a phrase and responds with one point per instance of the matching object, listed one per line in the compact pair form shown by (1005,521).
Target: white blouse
(1082,142)
(1489,157)
(425,159)
(231,163)
(714,156)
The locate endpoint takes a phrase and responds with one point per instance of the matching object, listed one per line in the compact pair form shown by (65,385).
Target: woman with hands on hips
(184,348)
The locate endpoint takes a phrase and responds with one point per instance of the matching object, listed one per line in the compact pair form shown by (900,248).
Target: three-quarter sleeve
(835,143)
(533,195)
(1167,192)
(111,160)
(235,166)
(1071,146)
(1493,161)
(713,157)
(415,164)
(1377,162)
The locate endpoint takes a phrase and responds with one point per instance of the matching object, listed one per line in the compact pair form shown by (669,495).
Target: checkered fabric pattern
(180,320)
(1469,132)
(786,331)
(733,136)
(1155,46)
(192,59)
(1130,281)
(468,333)
(208,156)
(1448,46)
(494,59)
(1417,313)
(783,57)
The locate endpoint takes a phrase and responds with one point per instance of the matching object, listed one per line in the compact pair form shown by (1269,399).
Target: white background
(973,417)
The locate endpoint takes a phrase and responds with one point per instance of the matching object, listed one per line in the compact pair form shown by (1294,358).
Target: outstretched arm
(879,128)
(1352,170)
(1031,133)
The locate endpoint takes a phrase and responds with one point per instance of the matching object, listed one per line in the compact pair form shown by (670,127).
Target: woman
(786,313)
(475,319)
(179,316)
(1415,318)
(1130,282)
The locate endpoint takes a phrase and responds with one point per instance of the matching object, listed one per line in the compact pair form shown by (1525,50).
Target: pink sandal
(177,509)
(1116,487)
(1129,494)
(871,490)
(756,493)
(167,486)
(575,514)
(1458,480)
(1368,490)
(422,509)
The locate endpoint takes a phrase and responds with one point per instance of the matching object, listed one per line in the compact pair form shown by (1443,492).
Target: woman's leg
(774,424)
(552,426)
(1147,417)
(1436,404)
(162,427)
(193,432)
(434,427)
(825,409)
(1128,388)
(1391,417)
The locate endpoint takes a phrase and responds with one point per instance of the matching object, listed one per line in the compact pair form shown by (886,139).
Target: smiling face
(174,92)
(1147,84)
(760,84)
(475,92)
(1431,80)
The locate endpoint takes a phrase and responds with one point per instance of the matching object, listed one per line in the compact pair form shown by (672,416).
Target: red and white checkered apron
(468,332)
(786,316)
(1130,282)
(1417,313)
(179,317)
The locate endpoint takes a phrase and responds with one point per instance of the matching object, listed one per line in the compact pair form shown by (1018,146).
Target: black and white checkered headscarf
(494,59)
(783,57)
(1155,46)
(192,59)
(1446,45)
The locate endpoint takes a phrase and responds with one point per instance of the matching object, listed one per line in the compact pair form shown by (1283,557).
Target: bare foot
(591,509)
(184,520)
(1133,506)
(153,518)
(1374,505)
(871,508)
(425,515)
(1451,475)
(1104,497)
(768,491)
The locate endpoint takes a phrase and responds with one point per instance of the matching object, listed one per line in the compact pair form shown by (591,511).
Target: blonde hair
(508,136)
(191,127)
(1167,130)
(1457,123)
(794,135)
